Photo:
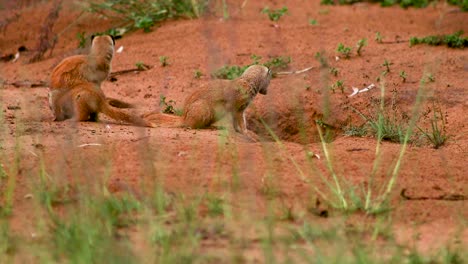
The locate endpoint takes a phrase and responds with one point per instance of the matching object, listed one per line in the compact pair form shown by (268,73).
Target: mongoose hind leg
(198,115)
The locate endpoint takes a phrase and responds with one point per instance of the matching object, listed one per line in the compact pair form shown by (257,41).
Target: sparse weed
(141,66)
(387,65)
(337,85)
(313,22)
(275,14)
(430,77)
(360,44)
(163,60)
(355,131)
(169,107)
(145,14)
(320,56)
(234,71)
(343,50)
(403,75)
(378,37)
(437,135)
(334,71)
(197,74)
(81,36)
(454,40)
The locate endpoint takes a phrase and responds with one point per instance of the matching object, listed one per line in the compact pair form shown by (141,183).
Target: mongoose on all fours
(74,71)
(75,87)
(212,102)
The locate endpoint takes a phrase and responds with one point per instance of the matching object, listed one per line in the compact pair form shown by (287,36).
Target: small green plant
(231,72)
(146,14)
(82,39)
(334,71)
(387,65)
(360,44)
(454,40)
(403,76)
(197,74)
(215,206)
(327,2)
(320,56)
(141,66)
(430,77)
(275,15)
(345,51)
(313,22)
(169,106)
(355,131)
(337,85)
(378,37)
(163,60)
(437,135)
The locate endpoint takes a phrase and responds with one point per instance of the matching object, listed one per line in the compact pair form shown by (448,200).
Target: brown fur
(77,70)
(211,103)
(86,101)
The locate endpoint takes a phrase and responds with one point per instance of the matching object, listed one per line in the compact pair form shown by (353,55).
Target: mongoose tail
(163,120)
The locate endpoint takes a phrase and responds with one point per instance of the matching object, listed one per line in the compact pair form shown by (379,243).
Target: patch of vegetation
(146,14)
(141,66)
(337,85)
(403,76)
(81,36)
(463,4)
(313,22)
(360,44)
(437,135)
(321,58)
(169,106)
(231,72)
(387,65)
(197,74)
(402,3)
(378,37)
(163,60)
(343,50)
(275,14)
(355,131)
(334,71)
(454,40)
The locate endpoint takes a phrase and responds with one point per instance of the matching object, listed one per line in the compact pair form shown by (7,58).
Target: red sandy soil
(195,161)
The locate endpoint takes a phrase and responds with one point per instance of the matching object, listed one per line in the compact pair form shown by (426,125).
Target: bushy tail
(119,104)
(163,120)
(120,115)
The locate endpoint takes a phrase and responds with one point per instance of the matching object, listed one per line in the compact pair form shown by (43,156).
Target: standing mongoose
(76,87)
(210,103)
(76,70)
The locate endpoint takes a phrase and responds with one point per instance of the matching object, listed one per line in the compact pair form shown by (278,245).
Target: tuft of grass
(343,50)
(81,36)
(231,72)
(197,74)
(337,85)
(355,131)
(313,22)
(321,58)
(163,60)
(146,14)
(454,40)
(387,65)
(141,66)
(334,71)
(403,75)
(169,106)
(360,44)
(275,14)
(378,37)
(437,135)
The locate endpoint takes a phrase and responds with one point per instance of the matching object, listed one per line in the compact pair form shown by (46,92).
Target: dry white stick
(294,72)
(89,144)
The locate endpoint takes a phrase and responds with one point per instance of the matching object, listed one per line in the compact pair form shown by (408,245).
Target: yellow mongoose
(75,87)
(77,70)
(220,97)
(85,101)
